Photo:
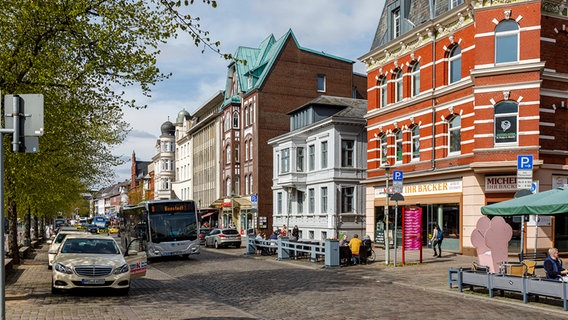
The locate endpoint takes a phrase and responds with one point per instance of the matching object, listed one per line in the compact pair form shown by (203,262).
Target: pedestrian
(355,245)
(295,233)
(344,242)
(436,240)
(283,231)
(553,266)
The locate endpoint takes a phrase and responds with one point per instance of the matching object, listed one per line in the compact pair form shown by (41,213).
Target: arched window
(398,86)
(415,143)
(235,120)
(228,152)
(398,145)
(415,79)
(455,60)
(506,122)
(454,134)
(384,147)
(383,90)
(507,41)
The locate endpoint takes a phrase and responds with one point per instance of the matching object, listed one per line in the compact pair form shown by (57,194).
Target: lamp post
(387,242)
(396,197)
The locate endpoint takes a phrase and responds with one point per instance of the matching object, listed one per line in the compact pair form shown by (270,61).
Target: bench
(24,252)
(535,256)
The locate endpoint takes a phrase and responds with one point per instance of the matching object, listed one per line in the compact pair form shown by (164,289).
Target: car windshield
(231,231)
(97,246)
(60,237)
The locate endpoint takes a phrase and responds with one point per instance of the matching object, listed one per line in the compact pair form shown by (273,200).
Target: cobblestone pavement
(227,284)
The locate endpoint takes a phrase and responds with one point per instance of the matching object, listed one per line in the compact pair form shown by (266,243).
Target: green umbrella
(549,202)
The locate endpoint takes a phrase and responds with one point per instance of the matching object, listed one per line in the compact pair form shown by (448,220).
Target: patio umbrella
(549,202)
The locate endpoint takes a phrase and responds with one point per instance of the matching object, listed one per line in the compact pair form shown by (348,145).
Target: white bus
(167,227)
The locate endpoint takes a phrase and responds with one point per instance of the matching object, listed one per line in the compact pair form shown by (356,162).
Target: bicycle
(372,255)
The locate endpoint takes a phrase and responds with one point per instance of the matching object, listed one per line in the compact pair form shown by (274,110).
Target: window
(324,199)
(324,154)
(383,89)
(279,203)
(454,134)
(228,152)
(311,201)
(384,148)
(398,85)
(321,83)
(285,157)
(235,120)
(415,79)
(506,113)
(396,23)
(455,64)
(228,186)
(250,183)
(311,157)
(347,199)
(246,150)
(347,153)
(398,145)
(250,150)
(247,116)
(415,145)
(507,41)
(237,185)
(247,185)
(300,197)
(300,159)
(455,3)
(237,153)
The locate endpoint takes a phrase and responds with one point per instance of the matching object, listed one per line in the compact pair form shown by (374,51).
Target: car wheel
(216,244)
(206,246)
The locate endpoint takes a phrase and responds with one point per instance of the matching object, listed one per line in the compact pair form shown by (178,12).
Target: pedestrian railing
(288,249)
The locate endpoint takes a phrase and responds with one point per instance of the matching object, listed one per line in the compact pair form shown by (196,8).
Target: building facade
(318,169)
(457,91)
(164,161)
(278,76)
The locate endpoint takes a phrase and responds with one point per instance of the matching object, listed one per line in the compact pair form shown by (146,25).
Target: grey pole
(2,251)
(387,242)
(396,197)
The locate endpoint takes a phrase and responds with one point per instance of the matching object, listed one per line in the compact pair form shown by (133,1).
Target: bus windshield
(173,226)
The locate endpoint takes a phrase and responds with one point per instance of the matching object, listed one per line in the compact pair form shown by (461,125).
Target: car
(56,242)
(202,234)
(223,238)
(90,261)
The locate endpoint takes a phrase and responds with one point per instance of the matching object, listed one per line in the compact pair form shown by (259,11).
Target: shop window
(506,117)
(507,41)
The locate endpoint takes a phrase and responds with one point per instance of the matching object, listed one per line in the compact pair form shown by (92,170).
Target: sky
(344,28)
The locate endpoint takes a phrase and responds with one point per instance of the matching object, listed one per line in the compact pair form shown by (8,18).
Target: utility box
(331,253)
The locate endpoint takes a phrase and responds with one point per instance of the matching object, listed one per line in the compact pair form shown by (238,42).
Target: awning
(238,202)
(208,214)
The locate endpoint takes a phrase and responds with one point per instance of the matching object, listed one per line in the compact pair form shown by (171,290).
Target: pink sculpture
(491,239)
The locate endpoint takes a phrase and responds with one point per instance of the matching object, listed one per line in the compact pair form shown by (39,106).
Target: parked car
(202,234)
(90,261)
(56,242)
(223,238)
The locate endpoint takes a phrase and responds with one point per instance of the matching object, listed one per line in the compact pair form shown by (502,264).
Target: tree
(81,54)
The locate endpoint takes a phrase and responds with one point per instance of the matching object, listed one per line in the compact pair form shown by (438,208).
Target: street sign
(254,198)
(524,172)
(397,177)
(525,163)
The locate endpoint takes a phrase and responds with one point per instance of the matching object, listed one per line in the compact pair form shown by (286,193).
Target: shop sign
(559,181)
(500,183)
(425,188)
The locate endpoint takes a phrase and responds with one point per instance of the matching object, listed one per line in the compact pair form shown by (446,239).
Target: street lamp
(386,167)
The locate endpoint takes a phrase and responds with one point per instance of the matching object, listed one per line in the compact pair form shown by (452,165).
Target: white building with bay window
(318,169)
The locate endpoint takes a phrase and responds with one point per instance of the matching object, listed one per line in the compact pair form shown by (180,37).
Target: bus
(166,227)
(100,222)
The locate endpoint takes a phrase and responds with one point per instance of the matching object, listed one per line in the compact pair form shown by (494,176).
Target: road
(226,284)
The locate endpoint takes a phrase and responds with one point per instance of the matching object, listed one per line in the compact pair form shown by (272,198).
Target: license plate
(93,281)
(172,253)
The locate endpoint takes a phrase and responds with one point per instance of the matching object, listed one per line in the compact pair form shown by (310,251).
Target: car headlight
(61,268)
(121,269)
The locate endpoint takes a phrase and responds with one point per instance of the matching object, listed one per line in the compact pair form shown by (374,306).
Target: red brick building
(456,93)
(278,76)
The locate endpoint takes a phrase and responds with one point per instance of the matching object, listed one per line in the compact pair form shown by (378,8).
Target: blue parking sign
(397,175)
(524,162)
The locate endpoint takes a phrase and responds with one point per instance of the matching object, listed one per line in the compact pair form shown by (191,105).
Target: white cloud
(342,28)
